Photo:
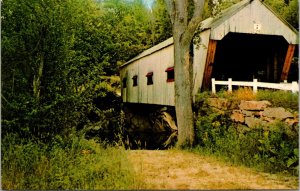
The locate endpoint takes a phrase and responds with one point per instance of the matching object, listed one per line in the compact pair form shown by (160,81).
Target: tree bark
(183,32)
(183,96)
(37,78)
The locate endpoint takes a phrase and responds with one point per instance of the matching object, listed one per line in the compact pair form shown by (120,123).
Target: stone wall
(253,113)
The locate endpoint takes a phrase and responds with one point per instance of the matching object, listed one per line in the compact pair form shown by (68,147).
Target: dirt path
(175,169)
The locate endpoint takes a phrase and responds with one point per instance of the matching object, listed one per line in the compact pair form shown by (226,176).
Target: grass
(278,98)
(80,164)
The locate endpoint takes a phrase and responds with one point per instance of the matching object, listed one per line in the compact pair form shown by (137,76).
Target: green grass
(79,164)
(284,99)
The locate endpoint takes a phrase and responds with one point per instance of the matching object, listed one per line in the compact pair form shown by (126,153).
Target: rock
(277,113)
(219,103)
(248,113)
(268,119)
(291,122)
(254,105)
(253,122)
(169,119)
(237,116)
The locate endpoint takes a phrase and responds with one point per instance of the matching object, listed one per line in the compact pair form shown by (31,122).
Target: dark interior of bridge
(244,57)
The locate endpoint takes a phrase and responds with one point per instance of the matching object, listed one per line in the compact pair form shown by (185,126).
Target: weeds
(280,98)
(79,164)
(270,148)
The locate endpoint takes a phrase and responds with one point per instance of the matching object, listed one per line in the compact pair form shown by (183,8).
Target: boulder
(291,122)
(254,105)
(237,116)
(163,122)
(253,122)
(219,103)
(248,113)
(277,113)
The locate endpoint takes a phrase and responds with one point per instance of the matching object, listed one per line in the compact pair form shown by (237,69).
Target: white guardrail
(294,87)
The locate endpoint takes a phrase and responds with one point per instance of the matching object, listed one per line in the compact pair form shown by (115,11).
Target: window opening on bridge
(149,78)
(170,74)
(135,81)
(124,82)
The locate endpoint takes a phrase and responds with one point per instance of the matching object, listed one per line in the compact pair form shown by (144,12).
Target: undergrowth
(269,148)
(74,164)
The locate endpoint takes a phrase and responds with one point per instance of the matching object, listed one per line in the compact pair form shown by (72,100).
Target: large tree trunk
(183,32)
(183,96)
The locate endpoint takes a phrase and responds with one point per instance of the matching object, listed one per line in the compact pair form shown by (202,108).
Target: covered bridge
(246,41)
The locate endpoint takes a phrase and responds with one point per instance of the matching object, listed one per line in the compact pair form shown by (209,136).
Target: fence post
(213,85)
(230,84)
(294,87)
(255,85)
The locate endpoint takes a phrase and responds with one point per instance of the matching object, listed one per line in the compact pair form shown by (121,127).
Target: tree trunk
(37,78)
(183,32)
(183,96)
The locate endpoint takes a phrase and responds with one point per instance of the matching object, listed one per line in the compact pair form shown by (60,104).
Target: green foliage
(74,164)
(161,22)
(43,67)
(271,148)
(288,9)
(284,99)
(125,30)
(54,55)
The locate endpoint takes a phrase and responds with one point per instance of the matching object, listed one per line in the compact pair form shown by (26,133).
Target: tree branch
(195,21)
(170,5)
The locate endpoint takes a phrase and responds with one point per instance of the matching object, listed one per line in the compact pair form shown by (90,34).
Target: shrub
(284,99)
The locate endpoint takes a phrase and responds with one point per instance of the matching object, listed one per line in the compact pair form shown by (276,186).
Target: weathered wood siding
(254,18)
(161,92)
(200,54)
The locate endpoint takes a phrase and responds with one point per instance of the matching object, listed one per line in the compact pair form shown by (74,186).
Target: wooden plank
(209,63)
(287,62)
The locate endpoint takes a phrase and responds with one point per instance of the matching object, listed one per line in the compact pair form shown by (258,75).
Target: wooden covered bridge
(246,41)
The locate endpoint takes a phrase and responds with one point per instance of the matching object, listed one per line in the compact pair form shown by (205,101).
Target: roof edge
(151,50)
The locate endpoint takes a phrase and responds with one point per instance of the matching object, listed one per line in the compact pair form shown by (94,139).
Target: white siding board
(161,92)
(254,13)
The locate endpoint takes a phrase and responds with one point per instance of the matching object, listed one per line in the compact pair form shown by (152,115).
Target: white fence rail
(294,87)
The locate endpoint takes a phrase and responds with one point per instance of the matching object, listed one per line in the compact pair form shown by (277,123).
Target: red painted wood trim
(287,62)
(210,58)
(169,69)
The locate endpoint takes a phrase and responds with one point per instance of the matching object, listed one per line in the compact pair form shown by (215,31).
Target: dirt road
(175,169)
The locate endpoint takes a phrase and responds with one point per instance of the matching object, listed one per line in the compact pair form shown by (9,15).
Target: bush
(77,164)
(284,99)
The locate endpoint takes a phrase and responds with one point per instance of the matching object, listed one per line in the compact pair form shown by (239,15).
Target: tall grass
(77,164)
